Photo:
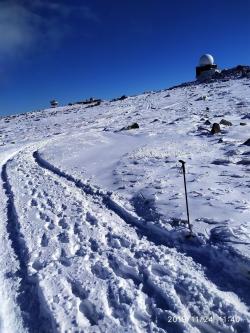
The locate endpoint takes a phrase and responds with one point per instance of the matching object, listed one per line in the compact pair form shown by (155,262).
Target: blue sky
(71,50)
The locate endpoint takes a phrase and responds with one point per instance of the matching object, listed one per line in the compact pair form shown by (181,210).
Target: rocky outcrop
(215,128)
(247,143)
(225,122)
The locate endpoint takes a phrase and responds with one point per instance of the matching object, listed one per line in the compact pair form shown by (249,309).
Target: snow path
(10,314)
(80,244)
(92,230)
(233,269)
(28,299)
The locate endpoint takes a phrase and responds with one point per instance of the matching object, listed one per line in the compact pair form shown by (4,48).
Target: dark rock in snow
(225,122)
(215,128)
(220,161)
(243,124)
(202,98)
(207,122)
(122,97)
(247,143)
(244,162)
(133,126)
(119,98)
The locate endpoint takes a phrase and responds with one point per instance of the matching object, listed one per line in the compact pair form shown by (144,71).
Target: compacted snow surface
(93,230)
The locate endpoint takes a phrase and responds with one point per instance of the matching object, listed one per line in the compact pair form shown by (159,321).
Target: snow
(93,231)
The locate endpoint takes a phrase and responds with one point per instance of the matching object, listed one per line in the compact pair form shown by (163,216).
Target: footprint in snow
(117,241)
(33,192)
(44,217)
(64,259)
(38,265)
(33,203)
(101,271)
(81,252)
(78,290)
(94,245)
(64,207)
(43,206)
(89,311)
(44,240)
(50,203)
(63,237)
(159,270)
(87,308)
(77,229)
(51,226)
(62,223)
(91,219)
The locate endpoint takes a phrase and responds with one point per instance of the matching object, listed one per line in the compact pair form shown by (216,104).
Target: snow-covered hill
(93,231)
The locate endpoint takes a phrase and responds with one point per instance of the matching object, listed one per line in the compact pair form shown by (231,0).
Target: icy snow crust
(93,233)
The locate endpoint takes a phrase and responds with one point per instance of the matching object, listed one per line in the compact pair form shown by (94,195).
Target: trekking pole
(185,185)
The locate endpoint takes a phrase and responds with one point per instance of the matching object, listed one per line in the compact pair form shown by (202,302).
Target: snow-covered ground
(93,219)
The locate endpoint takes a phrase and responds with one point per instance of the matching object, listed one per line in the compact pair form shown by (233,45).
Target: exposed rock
(119,98)
(220,161)
(88,101)
(207,122)
(133,126)
(224,76)
(225,122)
(202,98)
(97,103)
(215,128)
(247,143)
(243,124)
(122,97)
(244,162)
(247,116)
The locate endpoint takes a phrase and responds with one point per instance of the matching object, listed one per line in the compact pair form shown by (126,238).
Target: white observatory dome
(206,59)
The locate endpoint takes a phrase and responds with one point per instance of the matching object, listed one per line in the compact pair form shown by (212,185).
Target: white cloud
(24,26)
(17,27)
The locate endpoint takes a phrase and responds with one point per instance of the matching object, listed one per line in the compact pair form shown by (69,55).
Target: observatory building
(206,68)
(53,103)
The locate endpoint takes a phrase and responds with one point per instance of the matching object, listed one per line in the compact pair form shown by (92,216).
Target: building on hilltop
(206,68)
(53,103)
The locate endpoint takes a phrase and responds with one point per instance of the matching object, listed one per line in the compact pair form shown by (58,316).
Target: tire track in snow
(229,279)
(35,316)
